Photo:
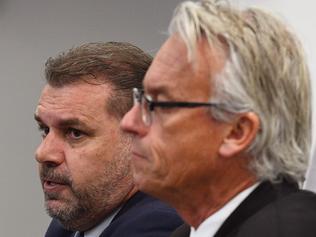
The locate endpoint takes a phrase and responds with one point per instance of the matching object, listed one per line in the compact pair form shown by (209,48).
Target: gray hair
(265,73)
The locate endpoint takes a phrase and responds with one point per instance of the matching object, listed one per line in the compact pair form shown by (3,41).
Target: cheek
(153,167)
(186,145)
(85,165)
(164,158)
(191,133)
(160,158)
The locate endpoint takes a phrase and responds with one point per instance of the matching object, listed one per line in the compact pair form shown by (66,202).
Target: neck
(197,205)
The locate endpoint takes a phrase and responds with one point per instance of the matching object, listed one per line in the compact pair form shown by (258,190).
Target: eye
(75,133)
(44,130)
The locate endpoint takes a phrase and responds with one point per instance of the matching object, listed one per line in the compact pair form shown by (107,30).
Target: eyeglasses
(147,105)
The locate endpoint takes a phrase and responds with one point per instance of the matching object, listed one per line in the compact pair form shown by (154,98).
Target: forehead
(171,59)
(80,100)
(171,69)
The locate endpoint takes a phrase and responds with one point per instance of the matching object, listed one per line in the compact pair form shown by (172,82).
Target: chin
(55,207)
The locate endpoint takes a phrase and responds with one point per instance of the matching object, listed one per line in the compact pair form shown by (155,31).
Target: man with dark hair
(84,157)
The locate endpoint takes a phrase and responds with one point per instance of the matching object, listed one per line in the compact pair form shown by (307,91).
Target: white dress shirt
(97,230)
(210,226)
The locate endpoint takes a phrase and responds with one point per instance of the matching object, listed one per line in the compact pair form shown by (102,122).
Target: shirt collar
(210,226)
(97,230)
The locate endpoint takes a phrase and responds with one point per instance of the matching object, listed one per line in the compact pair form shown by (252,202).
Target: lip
(51,186)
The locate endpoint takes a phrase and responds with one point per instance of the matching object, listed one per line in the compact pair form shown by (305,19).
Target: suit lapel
(137,197)
(182,231)
(264,194)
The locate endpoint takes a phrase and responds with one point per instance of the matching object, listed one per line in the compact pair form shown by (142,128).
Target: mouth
(53,186)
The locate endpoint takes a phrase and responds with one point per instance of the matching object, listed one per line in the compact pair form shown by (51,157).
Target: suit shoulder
(292,215)
(148,217)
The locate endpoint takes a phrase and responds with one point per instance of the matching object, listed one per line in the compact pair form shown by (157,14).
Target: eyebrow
(158,90)
(64,123)
(70,122)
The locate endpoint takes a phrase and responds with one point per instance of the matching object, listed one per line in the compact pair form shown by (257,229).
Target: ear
(241,134)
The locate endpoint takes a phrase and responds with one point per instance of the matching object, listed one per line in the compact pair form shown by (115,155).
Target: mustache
(49,173)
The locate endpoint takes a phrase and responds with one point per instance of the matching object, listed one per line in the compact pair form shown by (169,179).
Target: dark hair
(120,64)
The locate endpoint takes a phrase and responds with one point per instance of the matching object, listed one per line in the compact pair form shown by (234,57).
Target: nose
(132,122)
(50,151)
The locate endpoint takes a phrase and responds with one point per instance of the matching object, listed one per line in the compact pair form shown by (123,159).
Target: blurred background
(33,30)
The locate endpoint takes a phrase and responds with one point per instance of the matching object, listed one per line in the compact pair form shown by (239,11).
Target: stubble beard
(87,206)
(70,211)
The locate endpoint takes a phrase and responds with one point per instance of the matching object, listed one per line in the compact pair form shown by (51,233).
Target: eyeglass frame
(139,95)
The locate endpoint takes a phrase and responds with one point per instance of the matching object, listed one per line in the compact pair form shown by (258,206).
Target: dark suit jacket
(141,216)
(271,210)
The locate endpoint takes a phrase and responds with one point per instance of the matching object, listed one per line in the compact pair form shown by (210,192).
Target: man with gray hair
(84,156)
(222,130)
